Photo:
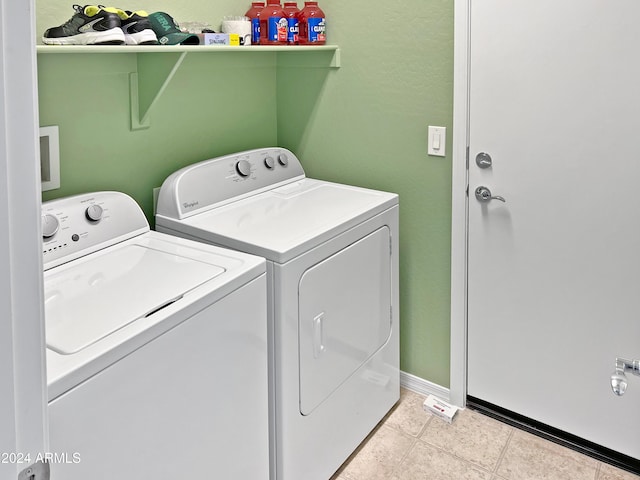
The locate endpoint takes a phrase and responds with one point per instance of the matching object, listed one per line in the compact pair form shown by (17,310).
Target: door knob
(483,194)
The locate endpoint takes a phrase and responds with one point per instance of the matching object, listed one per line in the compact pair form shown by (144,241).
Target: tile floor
(411,444)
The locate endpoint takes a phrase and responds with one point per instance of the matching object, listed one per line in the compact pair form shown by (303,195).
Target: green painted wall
(363,124)
(213,106)
(368,126)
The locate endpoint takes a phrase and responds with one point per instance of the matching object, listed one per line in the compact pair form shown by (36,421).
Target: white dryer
(332,268)
(156,349)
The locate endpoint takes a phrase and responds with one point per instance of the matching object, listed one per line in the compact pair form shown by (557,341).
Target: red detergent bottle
(254,15)
(312,25)
(273,24)
(292,11)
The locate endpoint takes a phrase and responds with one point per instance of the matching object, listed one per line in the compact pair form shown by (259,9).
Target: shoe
(90,25)
(137,28)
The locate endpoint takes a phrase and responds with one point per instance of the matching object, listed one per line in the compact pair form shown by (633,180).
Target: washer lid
(282,223)
(104,292)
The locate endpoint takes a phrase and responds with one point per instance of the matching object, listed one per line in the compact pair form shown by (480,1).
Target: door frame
(459,204)
(23,401)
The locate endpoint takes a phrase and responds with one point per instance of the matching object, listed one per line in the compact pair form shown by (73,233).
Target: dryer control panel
(76,226)
(221,180)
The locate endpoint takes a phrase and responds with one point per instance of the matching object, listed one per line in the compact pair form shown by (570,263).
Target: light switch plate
(437,141)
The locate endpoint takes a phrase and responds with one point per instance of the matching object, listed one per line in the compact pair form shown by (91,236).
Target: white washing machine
(156,349)
(332,269)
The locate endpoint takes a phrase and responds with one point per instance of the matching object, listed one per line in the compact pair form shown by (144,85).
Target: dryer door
(344,317)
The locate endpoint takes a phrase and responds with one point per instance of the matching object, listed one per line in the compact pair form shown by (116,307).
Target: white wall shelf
(157,64)
(181,48)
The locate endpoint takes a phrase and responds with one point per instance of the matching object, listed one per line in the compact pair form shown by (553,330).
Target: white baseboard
(423,387)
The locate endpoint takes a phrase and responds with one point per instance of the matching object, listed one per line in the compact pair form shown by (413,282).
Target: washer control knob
(50,225)
(243,167)
(269,162)
(94,213)
(283,159)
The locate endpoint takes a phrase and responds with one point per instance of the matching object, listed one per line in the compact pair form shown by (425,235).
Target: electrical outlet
(49,158)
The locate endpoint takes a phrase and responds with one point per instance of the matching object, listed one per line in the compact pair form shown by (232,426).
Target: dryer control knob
(283,159)
(269,162)
(243,167)
(94,213)
(50,225)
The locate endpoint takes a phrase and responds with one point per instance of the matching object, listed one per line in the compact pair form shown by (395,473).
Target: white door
(554,270)
(23,427)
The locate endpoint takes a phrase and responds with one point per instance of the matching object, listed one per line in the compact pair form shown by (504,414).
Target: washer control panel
(220,180)
(75,226)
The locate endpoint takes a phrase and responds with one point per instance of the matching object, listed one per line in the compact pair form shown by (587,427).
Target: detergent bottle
(312,25)
(273,24)
(292,11)
(254,15)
